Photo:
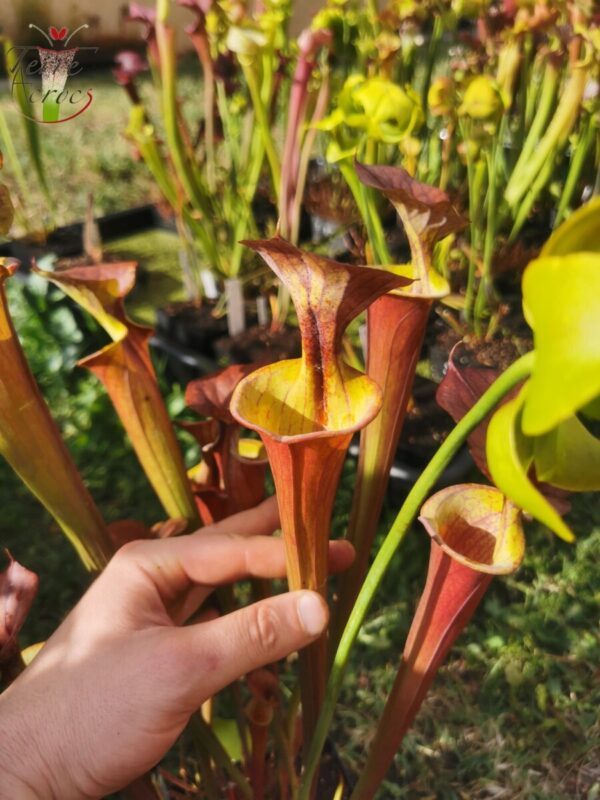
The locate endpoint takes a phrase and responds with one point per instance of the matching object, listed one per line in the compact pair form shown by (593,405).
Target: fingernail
(312,612)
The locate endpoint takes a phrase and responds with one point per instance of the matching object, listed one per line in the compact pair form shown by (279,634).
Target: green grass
(87,154)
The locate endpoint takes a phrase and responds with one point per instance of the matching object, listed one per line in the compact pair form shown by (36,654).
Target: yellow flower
(482,99)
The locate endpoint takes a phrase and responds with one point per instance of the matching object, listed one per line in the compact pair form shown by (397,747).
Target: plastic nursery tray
(67,241)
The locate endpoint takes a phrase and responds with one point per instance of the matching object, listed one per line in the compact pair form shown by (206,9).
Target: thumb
(222,650)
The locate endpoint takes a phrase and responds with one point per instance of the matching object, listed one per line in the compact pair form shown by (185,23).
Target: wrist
(22,774)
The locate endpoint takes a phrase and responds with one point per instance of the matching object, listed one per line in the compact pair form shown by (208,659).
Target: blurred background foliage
(94,155)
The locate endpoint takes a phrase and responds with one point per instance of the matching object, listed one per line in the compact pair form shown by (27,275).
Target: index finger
(153,579)
(261,520)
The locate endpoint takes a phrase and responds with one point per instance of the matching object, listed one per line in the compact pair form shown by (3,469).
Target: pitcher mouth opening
(271,404)
(476,526)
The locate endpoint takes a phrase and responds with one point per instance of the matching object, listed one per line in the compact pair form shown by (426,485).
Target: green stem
(542,115)
(475,177)
(228,132)
(30,126)
(584,144)
(527,88)
(375,228)
(244,216)
(436,35)
(209,116)
(265,127)
(470,290)
(516,373)
(434,159)
(202,46)
(556,135)
(366,206)
(183,169)
(485,290)
(527,202)
(533,87)
(447,148)
(13,158)
(154,161)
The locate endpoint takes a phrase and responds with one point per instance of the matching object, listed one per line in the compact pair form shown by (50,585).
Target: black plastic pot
(192,327)
(67,241)
(409,464)
(183,364)
(185,360)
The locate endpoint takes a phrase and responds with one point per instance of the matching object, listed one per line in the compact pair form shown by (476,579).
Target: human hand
(116,684)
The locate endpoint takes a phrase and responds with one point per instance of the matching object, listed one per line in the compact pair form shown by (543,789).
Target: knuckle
(231,536)
(127,552)
(262,628)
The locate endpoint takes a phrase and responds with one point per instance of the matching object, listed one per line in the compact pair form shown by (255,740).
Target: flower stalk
(310,44)
(201,43)
(552,141)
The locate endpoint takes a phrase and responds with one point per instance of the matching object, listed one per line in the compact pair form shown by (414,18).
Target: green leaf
(228,733)
(581,232)
(561,299)
(509,456)
(569,457)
